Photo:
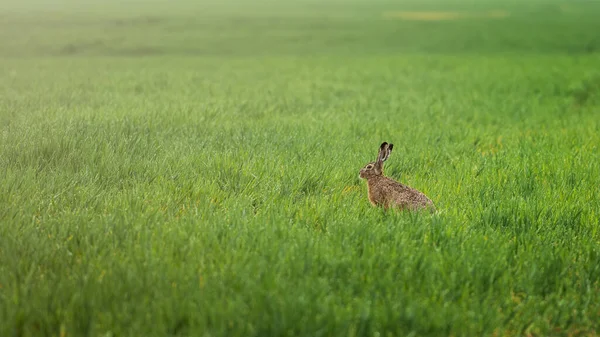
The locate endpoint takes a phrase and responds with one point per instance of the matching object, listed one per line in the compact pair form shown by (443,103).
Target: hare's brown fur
(387,192)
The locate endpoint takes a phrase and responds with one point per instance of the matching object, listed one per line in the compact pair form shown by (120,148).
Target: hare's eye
(369,166)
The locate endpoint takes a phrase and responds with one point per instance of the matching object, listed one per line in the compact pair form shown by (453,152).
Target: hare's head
(375,168)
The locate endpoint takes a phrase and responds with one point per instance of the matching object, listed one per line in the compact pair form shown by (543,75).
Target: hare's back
(407,196)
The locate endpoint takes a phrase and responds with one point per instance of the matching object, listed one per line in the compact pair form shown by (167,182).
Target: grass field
(174,168)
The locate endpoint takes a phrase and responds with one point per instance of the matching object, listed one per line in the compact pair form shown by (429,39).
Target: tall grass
(198,174)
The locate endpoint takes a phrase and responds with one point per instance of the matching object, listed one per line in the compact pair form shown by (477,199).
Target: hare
(387,192)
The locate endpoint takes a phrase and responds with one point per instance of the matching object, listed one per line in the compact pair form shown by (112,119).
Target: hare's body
(387,192)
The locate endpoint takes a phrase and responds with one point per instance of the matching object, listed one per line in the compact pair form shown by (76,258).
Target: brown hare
(387,192)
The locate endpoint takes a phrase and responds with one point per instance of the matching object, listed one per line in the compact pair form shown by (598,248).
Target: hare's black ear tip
(391,146)
(384,144)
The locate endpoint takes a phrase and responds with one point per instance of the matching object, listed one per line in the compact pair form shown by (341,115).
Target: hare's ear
(383,154)
(389,151)
(385,150)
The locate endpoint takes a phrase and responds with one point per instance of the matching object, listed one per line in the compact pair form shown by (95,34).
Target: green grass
(192,169)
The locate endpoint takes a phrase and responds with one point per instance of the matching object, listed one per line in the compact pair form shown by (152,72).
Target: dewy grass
(193,170)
